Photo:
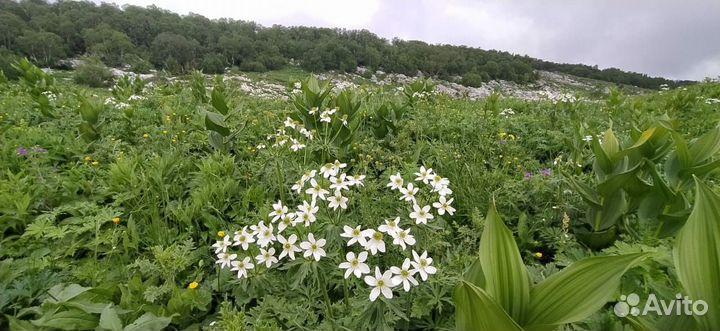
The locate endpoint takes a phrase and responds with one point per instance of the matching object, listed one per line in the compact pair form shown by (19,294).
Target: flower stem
(326,298)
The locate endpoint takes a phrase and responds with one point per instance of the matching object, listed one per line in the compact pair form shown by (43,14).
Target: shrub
(472,79)
(213,64)
(253,66)
(7,58)
(92,73)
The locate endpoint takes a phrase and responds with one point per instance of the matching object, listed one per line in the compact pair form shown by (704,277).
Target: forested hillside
(145,38)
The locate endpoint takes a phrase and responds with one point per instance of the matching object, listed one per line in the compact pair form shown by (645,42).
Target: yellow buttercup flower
(193,285)
(95,163)
(221,234)
(538,255)
(116,220)
(146,136)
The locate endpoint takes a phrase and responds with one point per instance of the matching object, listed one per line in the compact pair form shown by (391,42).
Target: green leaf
(89,112)
(474,274)
(62,292)
(476,310)
(71,319)
(88,132)
(148,322)
(706,146)
(110,320)
(577,291)
(20,325)
(586,192)
(216,140)
(216,122)
(506,278)
(218,102)
(697,254)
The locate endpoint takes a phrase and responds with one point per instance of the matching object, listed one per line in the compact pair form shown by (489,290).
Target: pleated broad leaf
(577,291)
(476,310)
(697,255)
(506,278)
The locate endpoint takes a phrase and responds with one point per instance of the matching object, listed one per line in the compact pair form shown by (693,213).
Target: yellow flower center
(355,263)
(423,263)
(381,283)
(268,233)
(402,235)
(404,273)
(313,247)
(356,232)
(287,246)
(242,238)
(377,236)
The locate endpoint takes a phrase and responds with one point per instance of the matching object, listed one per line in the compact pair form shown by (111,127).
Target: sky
(668,38)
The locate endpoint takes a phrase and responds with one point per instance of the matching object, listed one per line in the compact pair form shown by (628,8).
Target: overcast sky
(674,39)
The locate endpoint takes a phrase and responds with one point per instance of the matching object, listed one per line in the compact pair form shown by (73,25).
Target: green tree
(44,48)
(173,51)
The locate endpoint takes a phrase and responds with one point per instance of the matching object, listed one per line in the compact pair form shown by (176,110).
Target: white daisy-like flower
(443,206)
(421,215)
(267,257)
(403,237)
(422,265)
(337,200)
(242,267)
(327,170)
(355,180)
(339,183)
(424,175)
(286,221)
(316,191)
(324,117)
(222,245)
(443,190)
(438,181)
(298,186)
(355,264)
(289,123)
(243,238)
(355,235)
(306,213)
(224,259)
(313,247)
(288,246)
(313,110)
(381,283)
(265,236)
(375,242)
(390,227)
(409,192)
(278,211)
(296,145)
(310,174)
(338,166)
(396,182)
(404,275)
(588,138)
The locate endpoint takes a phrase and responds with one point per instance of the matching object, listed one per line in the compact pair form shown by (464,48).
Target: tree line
(145,38)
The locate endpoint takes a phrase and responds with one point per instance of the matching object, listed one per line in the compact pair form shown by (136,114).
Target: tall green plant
(497,294)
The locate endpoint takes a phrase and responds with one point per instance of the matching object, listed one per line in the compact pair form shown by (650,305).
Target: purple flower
(547,172)
(39,150)
(528,175)
(22,151)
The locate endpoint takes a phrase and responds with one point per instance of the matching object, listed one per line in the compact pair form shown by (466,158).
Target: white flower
(356,235)
(316,190)
(390,227)
(312,247)
(289,123)
(331,111)
(267,257)
(286,221)
(278,212)
(222,245)
(588,138)
(404,275)
(422,265)
(409,193)
(296,145)
(381,283)
(313,110)
(339,183)
(265,235)
(424,175)
(337,166)
(438,181)
(375,243)
(442,190)
(403,237)
(243,238)
(324,117)
(355,180)
(298,186)
(306,213)
(310,174)
(288,246)
(224,259)
(421,215)
(444,206)
(355,265)
(396,182)
(337,200)
(242,266)
(327,170)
